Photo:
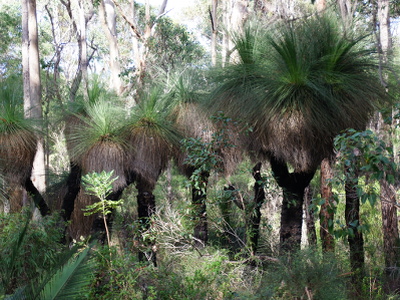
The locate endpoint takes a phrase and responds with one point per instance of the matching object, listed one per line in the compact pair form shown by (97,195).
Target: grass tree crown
(297,86)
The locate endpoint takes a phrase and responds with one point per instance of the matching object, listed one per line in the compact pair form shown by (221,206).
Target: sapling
(100,185)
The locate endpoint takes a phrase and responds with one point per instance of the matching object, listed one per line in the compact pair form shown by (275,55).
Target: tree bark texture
(37,197)
(33,98)
(387,190)
(214,31)
(146,208)
(254,216)
(390,230)
(355,237)
(327,212)
(108,18)
(310,220)
(73,186)
(293,186)
(199,197)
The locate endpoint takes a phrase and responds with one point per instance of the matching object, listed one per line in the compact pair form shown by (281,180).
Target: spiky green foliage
(71,280)
(96,140)
(152,134)
(27,248)
(298,86)
(18,139)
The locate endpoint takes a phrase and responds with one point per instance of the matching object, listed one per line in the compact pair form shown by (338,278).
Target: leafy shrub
(305,275)
(27,248)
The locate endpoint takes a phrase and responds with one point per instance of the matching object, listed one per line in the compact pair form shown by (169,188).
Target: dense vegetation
(265,170)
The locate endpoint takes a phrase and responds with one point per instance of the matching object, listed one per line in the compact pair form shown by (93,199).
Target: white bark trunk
(108,17)
(34,108)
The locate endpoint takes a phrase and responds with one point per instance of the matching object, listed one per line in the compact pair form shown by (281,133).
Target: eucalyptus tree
(298,87)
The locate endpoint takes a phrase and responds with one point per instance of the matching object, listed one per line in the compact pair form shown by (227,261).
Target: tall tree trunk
(108,20)
(32,99)
(355,238)
(199,197)
(293,186)
(25,57)
(387,190)
(390,231)
(327,212)
(82,41)
(214,31)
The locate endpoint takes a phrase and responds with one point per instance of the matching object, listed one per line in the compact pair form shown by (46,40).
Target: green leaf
(71,280)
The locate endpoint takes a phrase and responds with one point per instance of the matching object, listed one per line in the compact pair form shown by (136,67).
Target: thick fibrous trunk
(355,238)
(254,219)
(146,208)
(293,185)
(73,185)
(199,197)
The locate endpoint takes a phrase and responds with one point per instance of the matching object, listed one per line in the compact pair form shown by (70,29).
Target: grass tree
(208,146)
(18,142)
(75,120)
(96,145)
(297,87)
(153,138)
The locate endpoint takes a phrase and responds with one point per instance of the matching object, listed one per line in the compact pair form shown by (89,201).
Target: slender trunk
(73,185)
(310,220)
(387,190)
(25,57)
(83,47)
(108,18)
(327,212)
(214,31)
(33,99)
(293,186)
(229,239)
(390,231)
(254,216)
(199,197)
(146,208)
(355,238)
(168,175)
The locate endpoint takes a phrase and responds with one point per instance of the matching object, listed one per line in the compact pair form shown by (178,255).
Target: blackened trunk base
(74,186)
(293,185)
(199,198)
(146,208)
(37,197)
(254,217)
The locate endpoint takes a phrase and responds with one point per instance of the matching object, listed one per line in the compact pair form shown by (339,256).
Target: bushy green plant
(28,248)
(305,275)
(116,280)
(100,185)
